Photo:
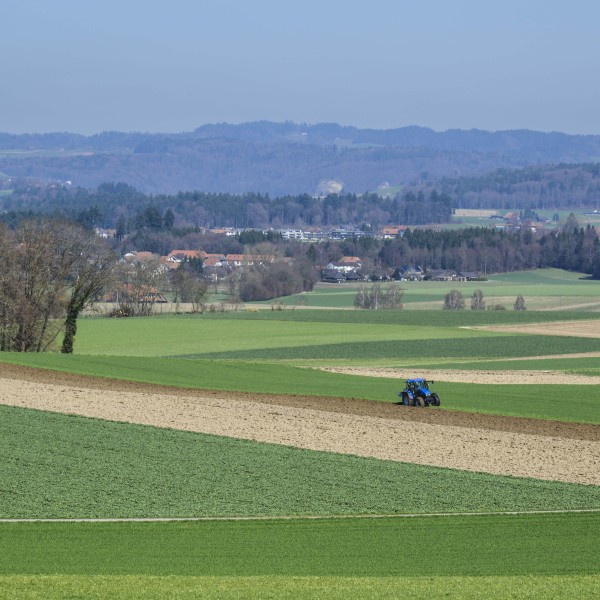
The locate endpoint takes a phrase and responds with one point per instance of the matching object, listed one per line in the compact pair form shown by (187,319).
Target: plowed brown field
(473,442)
(589,328)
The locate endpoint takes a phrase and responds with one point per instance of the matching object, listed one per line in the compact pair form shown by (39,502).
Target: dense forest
(282,158)
(550,187)
(125,208)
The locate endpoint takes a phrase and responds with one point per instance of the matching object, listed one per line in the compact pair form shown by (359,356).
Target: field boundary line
(297,517)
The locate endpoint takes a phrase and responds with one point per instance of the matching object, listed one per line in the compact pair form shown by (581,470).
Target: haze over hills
(283,158)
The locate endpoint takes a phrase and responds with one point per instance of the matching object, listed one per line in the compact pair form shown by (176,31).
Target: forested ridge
(284,158)
(549,187)
(120,205)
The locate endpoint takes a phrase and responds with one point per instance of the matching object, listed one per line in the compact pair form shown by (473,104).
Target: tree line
(122,207)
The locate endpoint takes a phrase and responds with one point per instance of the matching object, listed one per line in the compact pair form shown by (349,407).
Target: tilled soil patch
(521,377)
(588,328)
(519,447)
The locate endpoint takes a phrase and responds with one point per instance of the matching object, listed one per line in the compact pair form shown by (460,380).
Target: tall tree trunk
(70,329)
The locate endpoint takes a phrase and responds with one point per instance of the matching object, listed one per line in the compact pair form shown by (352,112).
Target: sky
(88,66)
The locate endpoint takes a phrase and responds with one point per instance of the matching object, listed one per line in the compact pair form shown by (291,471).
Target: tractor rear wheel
(405,400)
(419,402)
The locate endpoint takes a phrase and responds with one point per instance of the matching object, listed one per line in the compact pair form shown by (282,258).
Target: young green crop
(579,365)
(404,350)
(518,545)
(232,332)
(57,465)
(151,587)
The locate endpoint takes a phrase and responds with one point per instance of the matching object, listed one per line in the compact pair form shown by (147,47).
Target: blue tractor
(417,393)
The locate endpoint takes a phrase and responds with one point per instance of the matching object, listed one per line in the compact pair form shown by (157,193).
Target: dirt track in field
(589,328)
(488,377)
(500,445)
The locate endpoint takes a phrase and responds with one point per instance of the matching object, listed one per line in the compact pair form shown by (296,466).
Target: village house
(393,231)
(346,264)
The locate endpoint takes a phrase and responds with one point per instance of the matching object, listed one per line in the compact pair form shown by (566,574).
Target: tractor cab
(417,393)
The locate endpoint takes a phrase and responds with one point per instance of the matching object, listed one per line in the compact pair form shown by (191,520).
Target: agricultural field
(232,455)
(481,218)
(543,289)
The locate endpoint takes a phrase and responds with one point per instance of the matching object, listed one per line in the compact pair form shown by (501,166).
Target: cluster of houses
(346,269)
(228,261)
(349,268)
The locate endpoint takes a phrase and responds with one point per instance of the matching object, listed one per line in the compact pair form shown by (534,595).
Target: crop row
(57,465)
(403,350)
(420,546)
(286,587)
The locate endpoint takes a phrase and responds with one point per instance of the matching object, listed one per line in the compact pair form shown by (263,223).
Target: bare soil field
(483,443)
(521,377)
(588,329)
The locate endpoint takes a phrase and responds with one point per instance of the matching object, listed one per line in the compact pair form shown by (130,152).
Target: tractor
(417,393)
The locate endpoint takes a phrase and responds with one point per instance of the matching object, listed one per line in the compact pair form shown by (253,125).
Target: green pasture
(412,332)
(409,351)
(543,401)
(589,366)
(583,219)
(470,546)
(541,288)
(64,466)
(185,335)
(149,587)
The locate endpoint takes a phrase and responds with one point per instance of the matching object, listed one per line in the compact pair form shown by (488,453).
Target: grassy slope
(134,587)
(402,351)
(421,546)
(580,365)
(56,465)
(541,288)
(185,334)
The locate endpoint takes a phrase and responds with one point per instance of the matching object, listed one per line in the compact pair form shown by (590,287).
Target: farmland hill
(283,158)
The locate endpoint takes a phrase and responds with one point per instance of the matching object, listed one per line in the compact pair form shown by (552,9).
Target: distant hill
(283,158)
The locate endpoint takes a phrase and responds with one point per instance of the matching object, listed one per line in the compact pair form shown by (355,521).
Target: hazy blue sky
(152,65)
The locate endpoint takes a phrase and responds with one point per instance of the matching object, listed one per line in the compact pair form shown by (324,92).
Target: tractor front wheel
(435,400)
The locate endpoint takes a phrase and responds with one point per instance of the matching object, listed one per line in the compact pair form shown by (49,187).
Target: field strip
(302,517)
(520,377)
(466,448)
(588,329)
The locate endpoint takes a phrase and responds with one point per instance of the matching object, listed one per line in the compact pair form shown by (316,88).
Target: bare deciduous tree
(454,301)
(49,270)
(374,297)
(520,303)
(140,285)
(477,301)
(190,288)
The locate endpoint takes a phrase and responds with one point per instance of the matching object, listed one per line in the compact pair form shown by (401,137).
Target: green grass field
(58,466)
(376,557)
(542,289)
(589,366)
(58,587)
(506,545)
